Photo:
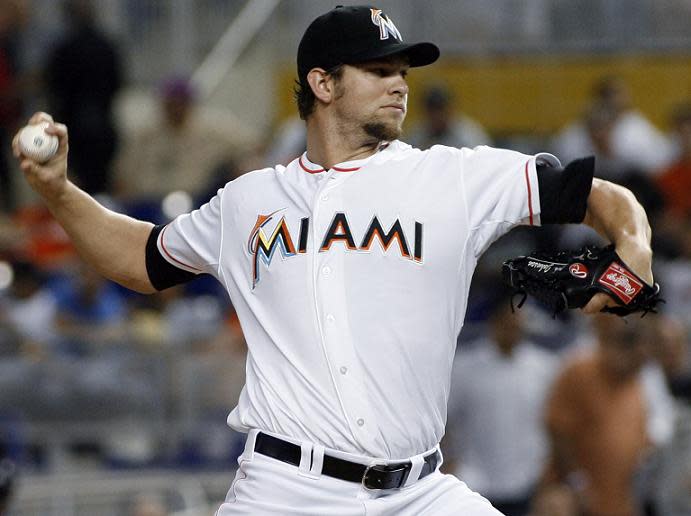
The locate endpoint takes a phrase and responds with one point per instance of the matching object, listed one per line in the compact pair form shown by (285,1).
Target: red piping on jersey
(530,197)
(337,169)
(171,256)
(308,170)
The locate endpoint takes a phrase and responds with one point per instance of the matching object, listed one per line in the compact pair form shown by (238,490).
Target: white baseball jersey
(351,285)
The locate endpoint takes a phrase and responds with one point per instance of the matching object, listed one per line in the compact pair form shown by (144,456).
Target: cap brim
(419,54)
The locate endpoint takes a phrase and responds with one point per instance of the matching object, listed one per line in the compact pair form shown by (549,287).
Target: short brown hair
(304,96)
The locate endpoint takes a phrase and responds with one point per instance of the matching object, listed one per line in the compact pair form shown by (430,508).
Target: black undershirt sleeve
(564,192)
(162,274)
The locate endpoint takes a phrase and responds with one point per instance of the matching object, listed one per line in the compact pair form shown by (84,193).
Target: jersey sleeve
(501,191)
(564,192)
(186,247)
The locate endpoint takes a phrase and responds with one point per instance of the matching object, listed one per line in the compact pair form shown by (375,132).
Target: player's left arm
(614,213)
(573,195)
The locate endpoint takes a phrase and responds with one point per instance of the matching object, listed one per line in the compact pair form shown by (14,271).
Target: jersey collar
(346,166)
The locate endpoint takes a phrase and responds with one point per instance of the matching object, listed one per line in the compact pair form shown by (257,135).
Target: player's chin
(384,130)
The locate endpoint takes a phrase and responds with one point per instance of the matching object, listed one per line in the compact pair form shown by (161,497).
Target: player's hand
(48,179)
(639,258)
(598,302)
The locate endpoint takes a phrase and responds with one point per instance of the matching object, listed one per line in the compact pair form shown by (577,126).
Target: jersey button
(326,270)
(343,369)
(324,197)
(360,422)
(330,318)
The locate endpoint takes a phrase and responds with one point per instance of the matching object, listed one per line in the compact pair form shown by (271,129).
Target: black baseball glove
(568,279)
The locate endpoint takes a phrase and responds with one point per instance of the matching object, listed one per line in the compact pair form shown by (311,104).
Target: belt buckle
(383,468)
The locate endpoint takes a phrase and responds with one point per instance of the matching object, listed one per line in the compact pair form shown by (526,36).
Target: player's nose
(399,85)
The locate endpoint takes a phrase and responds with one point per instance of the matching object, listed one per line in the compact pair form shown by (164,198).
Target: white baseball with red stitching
(36,144)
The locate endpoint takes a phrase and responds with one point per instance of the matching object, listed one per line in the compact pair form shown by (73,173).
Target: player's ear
(322,84)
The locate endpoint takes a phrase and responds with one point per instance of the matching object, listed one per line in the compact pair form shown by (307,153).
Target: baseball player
(349,270)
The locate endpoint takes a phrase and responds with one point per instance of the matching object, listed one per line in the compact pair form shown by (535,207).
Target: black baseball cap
(355,34)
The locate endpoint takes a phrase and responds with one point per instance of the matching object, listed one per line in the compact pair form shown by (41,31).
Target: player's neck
(329,147)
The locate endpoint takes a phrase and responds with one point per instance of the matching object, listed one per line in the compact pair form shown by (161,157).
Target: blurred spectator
(600,123)
(83,76)
(29,309)
(597,417)
(178,152)
(209,381)
(34,235)
(666,483)
(672,489)
(12,449)
(674,272)
(12,17)
(673,353)
(149,504)
(251,158)
(442,125)
(556,500)
(190,319)
(208,355)
(288,142)
(91,310)
(495,438)
(675,180)
(7,475)
(633,140)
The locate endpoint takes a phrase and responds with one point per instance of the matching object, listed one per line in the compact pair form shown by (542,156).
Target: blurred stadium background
(111,403)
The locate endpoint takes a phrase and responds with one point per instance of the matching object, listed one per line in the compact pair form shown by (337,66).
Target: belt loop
(250,443)
(417,462)
(306,451)
(305,457)
(317,460)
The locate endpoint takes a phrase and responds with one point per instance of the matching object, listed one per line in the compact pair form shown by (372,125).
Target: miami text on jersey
(262,243)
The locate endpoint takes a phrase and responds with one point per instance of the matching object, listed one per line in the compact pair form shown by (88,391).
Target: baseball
(36,144)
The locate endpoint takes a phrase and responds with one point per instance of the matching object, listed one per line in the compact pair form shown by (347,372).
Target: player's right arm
(112,243)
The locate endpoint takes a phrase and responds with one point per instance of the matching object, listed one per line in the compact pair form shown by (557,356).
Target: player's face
(373,97)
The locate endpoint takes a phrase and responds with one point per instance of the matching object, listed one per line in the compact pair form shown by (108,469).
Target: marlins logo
(262,248)
(385,25)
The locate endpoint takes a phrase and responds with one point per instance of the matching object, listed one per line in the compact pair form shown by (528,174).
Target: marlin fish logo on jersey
(262,247)
(264,239)
(386,26)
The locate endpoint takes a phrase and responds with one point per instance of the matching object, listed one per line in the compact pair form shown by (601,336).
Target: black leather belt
(378,476)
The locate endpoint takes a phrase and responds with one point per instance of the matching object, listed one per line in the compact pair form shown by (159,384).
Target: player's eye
(388,71)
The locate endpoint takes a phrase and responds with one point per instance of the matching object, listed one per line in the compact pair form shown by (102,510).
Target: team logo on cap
(386,26)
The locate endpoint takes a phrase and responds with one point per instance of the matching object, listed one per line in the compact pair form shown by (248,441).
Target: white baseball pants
(266,486)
